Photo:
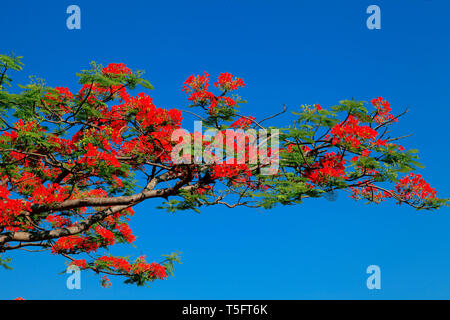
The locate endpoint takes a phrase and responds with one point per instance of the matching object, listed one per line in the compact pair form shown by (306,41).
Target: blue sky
(293,53)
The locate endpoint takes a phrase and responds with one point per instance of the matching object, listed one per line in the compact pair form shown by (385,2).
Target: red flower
(352,132)
(80,263)
(116,69)
(227,81)
(242,122)
(105,282)
(330,166)
(383,110)
(413,185)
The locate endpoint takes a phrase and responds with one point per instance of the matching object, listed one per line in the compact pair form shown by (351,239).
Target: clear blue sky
(287,52)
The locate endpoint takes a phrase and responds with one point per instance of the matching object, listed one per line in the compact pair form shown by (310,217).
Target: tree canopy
(74,163)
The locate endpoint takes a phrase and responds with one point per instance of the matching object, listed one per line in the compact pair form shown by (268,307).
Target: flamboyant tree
(74,163)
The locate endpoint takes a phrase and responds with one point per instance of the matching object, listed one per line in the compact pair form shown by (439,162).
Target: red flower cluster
(116,69)
(367,191)
(413,185)
(412,188)
(154,270)
(383,110)
(237,173)
(105,282)
(228,82)
(81,263)
(196,83)
(71,244)
(94,155)
(197,88)
(351,132)
(242,123)
(61,99)
(330,166)
(107,237)
(98,93)
(118,264)
(158,125)
(51,194)
(126,232)
(139,267)
(58,221)
(10,210)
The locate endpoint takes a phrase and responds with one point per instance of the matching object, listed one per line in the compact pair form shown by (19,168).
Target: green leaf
(146,84)
(4,263)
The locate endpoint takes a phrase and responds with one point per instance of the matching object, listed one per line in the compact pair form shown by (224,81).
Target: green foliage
(189,201)
(4,262)
(8,62)
(170,260)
